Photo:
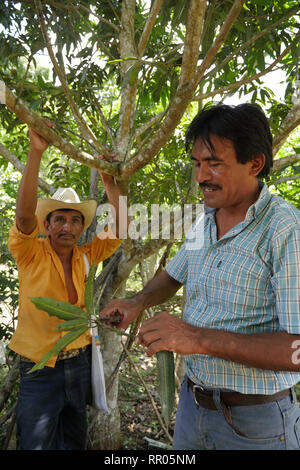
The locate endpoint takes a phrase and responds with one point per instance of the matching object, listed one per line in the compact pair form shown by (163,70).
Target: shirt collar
(260,204)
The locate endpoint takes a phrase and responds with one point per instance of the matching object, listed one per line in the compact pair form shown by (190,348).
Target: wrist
(139,301)
(35,153)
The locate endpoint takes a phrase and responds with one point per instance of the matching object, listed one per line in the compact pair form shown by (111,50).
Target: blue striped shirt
(246,282)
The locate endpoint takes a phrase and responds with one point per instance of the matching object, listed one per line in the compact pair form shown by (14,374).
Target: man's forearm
(160,289)
(27,193)
(273,351)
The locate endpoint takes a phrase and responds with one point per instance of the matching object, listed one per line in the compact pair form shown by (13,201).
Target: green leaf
(61,344)
(166,383)
(63,310)
(72,324)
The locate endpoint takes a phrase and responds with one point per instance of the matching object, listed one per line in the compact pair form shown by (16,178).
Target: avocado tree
(127,77)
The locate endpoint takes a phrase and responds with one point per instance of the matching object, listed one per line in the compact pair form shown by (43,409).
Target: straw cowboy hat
(64,198)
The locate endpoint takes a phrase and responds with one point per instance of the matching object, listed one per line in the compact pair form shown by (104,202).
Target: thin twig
(248,43)
(246,80)
(86,131)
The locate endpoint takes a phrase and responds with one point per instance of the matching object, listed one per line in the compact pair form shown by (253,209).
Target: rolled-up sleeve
(286,279)
(22,246)
(178,266)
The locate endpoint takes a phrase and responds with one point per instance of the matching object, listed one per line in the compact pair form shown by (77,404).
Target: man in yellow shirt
(51,411)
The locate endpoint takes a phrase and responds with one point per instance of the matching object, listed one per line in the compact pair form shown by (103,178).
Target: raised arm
(27,194)
(115,199)
(161,288)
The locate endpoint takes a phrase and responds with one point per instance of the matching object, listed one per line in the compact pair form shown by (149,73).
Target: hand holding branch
(38,144)
(126,309)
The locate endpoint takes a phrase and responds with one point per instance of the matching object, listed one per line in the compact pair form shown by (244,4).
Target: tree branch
(192,41)
(105,125)
(9,381)
(85,130)
(250,41)
(149,26)
(232,16)
(182,96)
(283,162)
(149,394)
(291,121)
(16,106)
(128,97)
(232,86)
(72,7)
(13,159)
(285,179)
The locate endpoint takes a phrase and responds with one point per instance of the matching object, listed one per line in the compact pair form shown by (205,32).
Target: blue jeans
(51,410)
(271,426)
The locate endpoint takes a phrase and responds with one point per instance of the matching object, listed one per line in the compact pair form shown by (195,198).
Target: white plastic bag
(98,380)
(97,372)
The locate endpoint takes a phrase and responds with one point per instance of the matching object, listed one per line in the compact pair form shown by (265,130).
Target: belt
(63,354)
(204,397)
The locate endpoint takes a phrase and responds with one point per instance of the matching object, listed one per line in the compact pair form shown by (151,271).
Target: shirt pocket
(239,280)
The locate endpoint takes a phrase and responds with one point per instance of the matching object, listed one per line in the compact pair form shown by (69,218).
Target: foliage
(114,83)
(285,182)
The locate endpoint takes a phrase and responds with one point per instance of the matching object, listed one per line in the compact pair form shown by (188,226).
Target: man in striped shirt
(240,331)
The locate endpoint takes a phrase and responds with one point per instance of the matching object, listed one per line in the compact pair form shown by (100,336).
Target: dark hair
(245,125)
(65,210)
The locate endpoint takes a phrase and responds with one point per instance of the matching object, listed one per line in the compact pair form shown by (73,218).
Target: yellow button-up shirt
(41,274)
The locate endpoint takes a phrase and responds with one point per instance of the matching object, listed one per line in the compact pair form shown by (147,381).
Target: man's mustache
(209,186)
(66,233)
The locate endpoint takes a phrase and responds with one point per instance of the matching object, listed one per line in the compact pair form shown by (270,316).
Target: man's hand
(164,332)
(108,181)
(113,192)
(126,309)
(38,144)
